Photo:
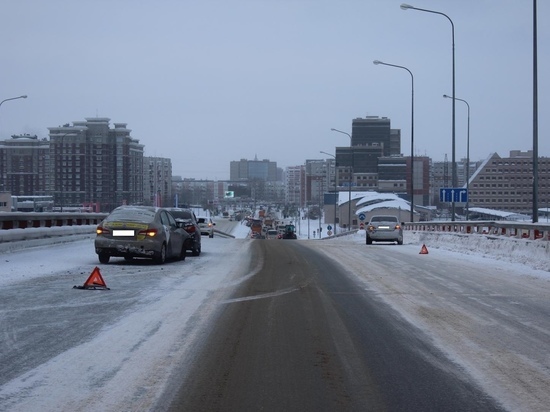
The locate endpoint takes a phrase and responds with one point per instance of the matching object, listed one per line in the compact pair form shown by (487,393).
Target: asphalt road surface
(273,325)
(303,335)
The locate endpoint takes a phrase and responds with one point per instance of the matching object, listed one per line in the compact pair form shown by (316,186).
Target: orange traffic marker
(424,250)
(95,281)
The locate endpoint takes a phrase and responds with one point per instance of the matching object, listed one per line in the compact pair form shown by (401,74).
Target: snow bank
(15,239)
(534,254)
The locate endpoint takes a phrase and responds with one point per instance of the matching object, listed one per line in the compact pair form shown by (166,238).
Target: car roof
(145,214)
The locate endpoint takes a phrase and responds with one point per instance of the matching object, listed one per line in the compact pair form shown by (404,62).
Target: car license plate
(123,233)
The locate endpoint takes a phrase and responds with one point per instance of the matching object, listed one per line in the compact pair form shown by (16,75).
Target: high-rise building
(24,165)
(253,170)
(372,138)
(376,130)
(93,164)
(157,182)
(422,175)
(392,172)
(295,185)
(316,180)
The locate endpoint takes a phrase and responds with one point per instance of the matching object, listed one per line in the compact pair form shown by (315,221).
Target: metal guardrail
(519,230)
(16,220)
(523,230)
(223,234)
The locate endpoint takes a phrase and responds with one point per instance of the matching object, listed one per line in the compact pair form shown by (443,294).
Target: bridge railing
(520,230)
(16,220)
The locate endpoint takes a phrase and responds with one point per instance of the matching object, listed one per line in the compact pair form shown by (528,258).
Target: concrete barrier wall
(520,230)
(16,220)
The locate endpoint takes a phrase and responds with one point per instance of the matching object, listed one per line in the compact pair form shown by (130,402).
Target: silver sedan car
(384,228)
(140,231)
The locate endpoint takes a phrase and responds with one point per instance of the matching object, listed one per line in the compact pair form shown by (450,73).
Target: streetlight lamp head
(377,62)
(449,97)
(24,96)
(406,6)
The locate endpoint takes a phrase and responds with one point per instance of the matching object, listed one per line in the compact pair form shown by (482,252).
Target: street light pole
(376,62)
(13,98)
(335,191)
(467,157)
(535,120)
(454,179)
(350,175)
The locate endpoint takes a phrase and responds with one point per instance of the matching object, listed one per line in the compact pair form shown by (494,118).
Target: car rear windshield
(181,214)
(132,215)
(383,219)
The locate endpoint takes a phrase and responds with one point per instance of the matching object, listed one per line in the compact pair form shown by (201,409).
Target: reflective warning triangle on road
(424,250)
(95,281)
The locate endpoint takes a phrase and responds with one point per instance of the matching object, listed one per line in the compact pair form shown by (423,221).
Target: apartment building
(24,165)
(507,183)
(295,185)
(157,182)
(244,169)
(92,164)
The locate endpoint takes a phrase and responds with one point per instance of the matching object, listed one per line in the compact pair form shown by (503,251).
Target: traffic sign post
(453,194)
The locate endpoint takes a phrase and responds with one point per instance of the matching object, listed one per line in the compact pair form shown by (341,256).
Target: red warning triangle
(424,250)
(95,281)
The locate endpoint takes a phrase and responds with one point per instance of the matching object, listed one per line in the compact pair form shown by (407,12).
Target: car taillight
(190,228)
(100,230)
(148,232)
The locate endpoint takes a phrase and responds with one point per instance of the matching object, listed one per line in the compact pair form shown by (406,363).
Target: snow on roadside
(532,254)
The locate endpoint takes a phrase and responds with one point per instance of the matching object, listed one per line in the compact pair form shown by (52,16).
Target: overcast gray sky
(207,82)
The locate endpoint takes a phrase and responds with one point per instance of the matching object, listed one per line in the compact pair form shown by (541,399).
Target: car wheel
(369,241)
(160,258)
(211,235)
(399,242)
(104,257)
(196,250)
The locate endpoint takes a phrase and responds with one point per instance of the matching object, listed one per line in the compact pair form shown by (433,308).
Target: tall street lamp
(454,179)
(376,62)
(350,175)
(335,191)
(535,120)
(13,98)
(467,156)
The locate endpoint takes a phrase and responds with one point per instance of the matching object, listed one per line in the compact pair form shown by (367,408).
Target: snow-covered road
(65,349)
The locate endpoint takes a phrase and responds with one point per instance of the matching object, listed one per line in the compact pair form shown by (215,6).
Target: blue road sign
(453,194)
(362,216)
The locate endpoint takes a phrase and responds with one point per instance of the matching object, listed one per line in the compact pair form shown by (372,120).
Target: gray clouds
(270,78)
